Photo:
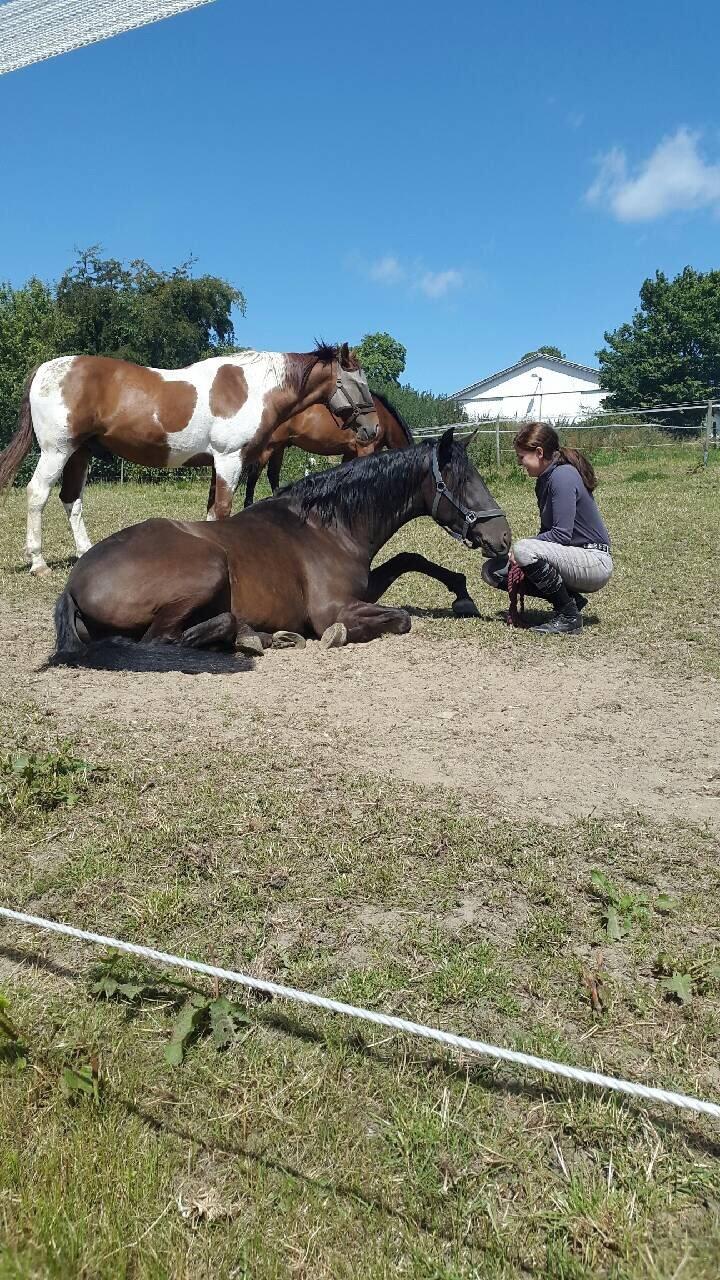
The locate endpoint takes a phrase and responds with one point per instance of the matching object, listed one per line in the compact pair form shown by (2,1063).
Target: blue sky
(474,178)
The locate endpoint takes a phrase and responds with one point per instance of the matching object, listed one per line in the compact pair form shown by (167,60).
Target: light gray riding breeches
(581,568)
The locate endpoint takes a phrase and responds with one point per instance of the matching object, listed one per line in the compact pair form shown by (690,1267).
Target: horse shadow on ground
(126,655)
(64,563)
(482,1076)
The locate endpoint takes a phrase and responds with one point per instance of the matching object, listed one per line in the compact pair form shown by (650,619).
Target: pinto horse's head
(460,501)
(351,400)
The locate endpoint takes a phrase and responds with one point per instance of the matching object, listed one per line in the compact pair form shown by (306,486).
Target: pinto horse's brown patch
(228,392)
(130,408)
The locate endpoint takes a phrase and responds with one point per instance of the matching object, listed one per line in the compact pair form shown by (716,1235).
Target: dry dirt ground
(438,712)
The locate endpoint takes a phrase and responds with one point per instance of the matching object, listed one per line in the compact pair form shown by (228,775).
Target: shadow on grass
(66,562)
(482,1076)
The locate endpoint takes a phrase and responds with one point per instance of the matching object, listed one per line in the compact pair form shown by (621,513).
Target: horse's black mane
(396,415)
(385,480)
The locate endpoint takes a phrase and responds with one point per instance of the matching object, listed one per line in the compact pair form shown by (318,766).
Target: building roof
(537,357)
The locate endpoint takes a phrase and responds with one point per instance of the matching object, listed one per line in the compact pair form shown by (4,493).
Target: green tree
(670,352)
(382,357)
(30,332)
(420,408)
(162,318)
(545,351)
(101,307)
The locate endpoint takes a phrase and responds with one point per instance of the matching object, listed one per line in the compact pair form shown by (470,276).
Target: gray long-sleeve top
(568,512)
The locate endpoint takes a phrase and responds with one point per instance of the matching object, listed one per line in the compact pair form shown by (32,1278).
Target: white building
(539,387)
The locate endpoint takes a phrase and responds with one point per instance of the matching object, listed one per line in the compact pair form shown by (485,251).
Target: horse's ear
(345,362)
(469,439)
(445,444)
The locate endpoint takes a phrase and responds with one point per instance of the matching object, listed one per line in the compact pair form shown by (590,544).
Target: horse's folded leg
(217,632)
(365,621)
(247,641)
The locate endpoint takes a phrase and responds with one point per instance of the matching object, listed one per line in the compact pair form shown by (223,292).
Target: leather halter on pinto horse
(299,562)
(316,430)
(222,410)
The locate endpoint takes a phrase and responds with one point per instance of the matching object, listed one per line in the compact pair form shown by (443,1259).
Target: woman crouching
(570,556)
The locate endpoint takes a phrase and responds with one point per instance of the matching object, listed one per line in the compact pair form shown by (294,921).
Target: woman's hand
(511,558)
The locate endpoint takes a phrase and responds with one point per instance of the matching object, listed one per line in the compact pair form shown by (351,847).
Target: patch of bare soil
(565,736)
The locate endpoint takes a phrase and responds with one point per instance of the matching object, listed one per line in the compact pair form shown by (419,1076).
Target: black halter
(470,517)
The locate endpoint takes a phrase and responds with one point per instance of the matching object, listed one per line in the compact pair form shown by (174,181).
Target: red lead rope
(515,581)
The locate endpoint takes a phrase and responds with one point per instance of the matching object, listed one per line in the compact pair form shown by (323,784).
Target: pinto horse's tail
(21,443)
(118,653)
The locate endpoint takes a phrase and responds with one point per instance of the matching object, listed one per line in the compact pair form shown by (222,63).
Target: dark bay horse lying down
(297,562)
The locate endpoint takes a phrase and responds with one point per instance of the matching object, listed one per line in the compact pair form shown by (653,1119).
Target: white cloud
(435,284)
(674,177)
(415,276)
(387,270)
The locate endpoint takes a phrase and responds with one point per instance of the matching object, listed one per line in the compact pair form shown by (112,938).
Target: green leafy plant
(12,1047)
(219,1017)
(198,1015)
(681,981)
(619,910)
(78,1083)
(40,781)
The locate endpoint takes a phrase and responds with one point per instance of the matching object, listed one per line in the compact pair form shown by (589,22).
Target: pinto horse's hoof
(334,636)
(41,570)
(287,640)
(465,607)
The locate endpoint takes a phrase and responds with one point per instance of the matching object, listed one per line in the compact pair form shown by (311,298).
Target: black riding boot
(547,582)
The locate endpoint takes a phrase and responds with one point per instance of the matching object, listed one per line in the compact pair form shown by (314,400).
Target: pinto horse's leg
(228,467)
(71,495)
(364,621)
(410,562)
(46,474)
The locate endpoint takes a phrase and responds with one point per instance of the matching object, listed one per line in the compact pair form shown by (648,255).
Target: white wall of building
(543,388)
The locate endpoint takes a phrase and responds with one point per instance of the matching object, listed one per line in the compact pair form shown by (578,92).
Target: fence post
(708,432)
(497,442)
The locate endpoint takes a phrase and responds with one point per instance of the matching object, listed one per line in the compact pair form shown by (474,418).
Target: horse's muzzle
(367,431)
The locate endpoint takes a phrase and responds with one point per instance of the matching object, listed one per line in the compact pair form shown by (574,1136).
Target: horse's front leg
(359,621)
(274,470)
(228,468)
(410,562)
(211,495)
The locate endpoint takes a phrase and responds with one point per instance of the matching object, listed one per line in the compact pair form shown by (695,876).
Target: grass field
(183,812)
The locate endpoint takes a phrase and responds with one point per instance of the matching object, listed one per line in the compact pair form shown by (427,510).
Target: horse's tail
(118,653)
(68,644)
(21,443)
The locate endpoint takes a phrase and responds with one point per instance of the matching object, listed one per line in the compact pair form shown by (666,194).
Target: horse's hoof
(465,607)
(41,570)
(334,636)
(287,640)
(251,646)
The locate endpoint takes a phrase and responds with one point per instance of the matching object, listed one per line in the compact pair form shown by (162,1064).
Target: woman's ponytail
(582,464)
(538,435)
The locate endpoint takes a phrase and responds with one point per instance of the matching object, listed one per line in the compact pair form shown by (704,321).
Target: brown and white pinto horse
(221,411)
(318,430)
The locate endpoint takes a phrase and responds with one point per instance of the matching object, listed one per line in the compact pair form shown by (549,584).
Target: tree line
(669,352)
